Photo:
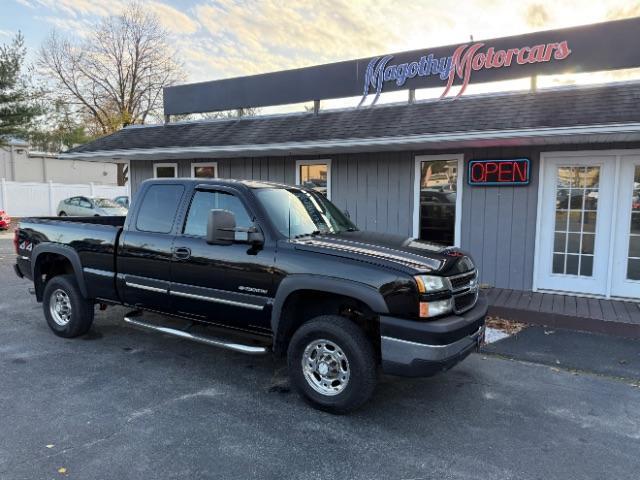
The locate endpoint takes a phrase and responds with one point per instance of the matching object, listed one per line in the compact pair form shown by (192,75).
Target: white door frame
(156,165)
(618,153)
(318,161)
(619,284)
(203,164)
(459,185)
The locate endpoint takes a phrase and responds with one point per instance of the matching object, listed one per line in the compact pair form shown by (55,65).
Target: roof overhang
(589,134)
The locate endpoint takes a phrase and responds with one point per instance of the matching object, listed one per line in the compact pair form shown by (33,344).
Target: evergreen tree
(17,101)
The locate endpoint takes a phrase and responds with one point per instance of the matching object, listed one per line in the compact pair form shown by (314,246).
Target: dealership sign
(465,60)
(589,48)
(499,172)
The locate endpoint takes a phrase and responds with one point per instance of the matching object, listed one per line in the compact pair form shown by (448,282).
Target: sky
(226,38)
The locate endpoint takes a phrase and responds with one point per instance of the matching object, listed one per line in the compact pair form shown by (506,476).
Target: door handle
(181,253)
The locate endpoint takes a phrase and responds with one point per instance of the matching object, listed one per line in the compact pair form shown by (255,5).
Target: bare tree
(116,75)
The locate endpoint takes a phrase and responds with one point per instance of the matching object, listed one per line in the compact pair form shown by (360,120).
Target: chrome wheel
(325,367)
(60,307)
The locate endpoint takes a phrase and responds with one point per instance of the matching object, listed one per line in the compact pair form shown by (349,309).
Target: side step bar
(214,342)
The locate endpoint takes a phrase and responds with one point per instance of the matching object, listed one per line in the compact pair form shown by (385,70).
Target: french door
(589,224)
(625,272)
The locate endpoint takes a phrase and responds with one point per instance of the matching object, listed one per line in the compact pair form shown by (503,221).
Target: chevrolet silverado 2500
(270,268)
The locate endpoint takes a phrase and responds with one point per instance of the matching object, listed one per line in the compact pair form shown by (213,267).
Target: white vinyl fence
(25,199)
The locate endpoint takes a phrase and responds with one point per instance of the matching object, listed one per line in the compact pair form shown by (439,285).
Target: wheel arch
(60,258)
(301,287)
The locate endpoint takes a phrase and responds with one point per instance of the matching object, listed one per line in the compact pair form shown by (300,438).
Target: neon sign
(499,172)
(465,60)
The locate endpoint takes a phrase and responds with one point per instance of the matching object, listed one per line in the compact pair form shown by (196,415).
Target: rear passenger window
(203,202)
(158,208)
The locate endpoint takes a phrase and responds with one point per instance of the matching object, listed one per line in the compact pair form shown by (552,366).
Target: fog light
(435,308)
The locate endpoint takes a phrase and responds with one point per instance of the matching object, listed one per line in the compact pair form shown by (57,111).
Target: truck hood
(391,251)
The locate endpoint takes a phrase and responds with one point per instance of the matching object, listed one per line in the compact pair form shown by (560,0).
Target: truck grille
(462,303)
(465,291)
(462,281)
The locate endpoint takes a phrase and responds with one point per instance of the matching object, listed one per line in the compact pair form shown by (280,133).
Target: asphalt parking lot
(121,403)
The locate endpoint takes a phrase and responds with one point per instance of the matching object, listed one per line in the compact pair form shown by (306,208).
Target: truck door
(145,250)
(225,284)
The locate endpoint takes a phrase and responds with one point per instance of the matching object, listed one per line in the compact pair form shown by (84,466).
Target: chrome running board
(211,341)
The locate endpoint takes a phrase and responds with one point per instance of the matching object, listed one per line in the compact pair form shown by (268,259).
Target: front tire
(62,214)
(332,364)
(68,313)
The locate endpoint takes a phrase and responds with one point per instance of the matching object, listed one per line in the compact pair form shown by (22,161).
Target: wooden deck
(565,311)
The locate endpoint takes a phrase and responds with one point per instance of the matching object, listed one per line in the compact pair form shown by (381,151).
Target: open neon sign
(499,172)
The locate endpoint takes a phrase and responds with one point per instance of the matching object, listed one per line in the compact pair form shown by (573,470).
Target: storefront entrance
(437,198)
(589,223)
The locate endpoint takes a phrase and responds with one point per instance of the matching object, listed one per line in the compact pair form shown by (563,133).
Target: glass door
(575,223)
(625,280)
(437,214)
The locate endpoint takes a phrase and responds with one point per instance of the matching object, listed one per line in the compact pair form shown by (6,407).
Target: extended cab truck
(279,266)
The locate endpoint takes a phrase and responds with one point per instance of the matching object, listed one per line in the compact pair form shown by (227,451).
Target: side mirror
(347,214)
(222,230)
(221,227)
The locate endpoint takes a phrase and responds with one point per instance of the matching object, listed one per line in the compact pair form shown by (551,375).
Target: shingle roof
(563,107)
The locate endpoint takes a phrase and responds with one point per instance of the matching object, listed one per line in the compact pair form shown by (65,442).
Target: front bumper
(420,349)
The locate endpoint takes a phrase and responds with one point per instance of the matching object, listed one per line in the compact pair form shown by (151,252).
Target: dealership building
(542,186)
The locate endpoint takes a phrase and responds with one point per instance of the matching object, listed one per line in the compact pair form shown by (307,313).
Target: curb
(555,320)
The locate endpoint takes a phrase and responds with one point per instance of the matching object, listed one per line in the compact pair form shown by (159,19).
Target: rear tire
(68,313)
(332,364)
(62,214)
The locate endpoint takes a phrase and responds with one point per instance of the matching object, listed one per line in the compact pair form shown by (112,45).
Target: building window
(314,174)
(204,170)
(165,170)
(436,210)
(633,258)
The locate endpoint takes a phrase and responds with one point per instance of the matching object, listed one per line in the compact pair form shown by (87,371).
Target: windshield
(296,213)
(105,203)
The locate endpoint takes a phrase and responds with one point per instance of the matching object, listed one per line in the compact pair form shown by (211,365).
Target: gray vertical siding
(375,189)
(498,223)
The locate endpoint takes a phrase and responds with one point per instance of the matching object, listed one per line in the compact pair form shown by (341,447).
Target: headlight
(435,308)
(430,284)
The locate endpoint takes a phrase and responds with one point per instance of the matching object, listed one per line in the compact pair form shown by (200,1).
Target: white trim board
(459,186)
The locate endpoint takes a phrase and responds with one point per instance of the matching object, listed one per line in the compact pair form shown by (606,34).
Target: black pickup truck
(268,267)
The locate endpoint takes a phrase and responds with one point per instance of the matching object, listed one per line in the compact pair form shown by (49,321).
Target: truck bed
(94,239)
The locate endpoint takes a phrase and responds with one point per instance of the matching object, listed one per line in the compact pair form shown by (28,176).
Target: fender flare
(65,251)
(339,286)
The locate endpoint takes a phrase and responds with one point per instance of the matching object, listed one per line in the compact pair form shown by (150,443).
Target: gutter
(351,144)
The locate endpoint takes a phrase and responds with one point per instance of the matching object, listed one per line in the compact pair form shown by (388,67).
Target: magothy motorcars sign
(465,60)
(588,48)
